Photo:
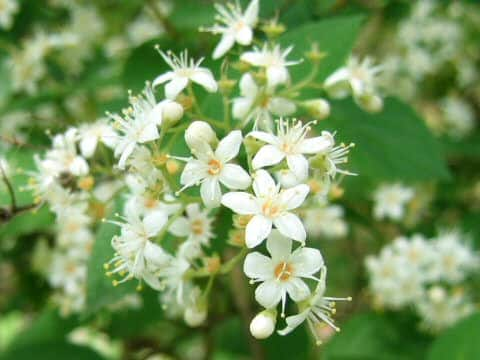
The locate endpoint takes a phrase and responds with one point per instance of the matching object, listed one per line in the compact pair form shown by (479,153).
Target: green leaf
(393,145)
(460,342)
(100,291)
(49,327)
(373,336)
(54,350)
(334,36)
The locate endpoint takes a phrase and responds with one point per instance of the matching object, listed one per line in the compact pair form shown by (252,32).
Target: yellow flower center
(271,209)
(283,271)
(214,167)
(197,227)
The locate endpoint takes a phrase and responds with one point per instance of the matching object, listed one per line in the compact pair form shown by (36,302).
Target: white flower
(327,161)
(289,143)
(196,226)
(234,26)
(358,78)
(210,168)
(454,260)
(198,133)
(8,9)
(270,206)
(68,271)
(138,124)
(440,309)
(390,201)
(326,221)
(459,116)
(135,255)
(91,134)
(172,278)
(319,309)
(281,273)
(63,155)
(259,103)
(273,59)
(183,71)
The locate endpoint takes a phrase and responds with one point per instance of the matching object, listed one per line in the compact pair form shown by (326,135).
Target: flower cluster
(426,274)
(175,171)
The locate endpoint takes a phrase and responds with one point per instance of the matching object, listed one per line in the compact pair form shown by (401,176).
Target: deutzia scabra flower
(317,309)
(210,168)
(281,273)
(273,59)
(257,104)
(390,201)
(138,124)
(327,221)
(91,134)
(196,226)
(270,206)
(234,26)
(359,79)
(136,255)
(64,157)
(289,143)
(183,71)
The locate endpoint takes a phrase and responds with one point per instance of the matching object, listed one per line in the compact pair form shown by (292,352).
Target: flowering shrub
(178,188)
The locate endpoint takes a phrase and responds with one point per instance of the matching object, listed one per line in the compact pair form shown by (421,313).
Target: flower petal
(204,77)
(163,78)
(306,261)
(175,87)
(248,86)
(225,44)
(88,145)
(315,145)
(299,166)
(154,222)
(234,177)
(267,155)
(240,107)
(269,293)
(241,203)
(244,35)
(277,75)
(180,227)
(210,192)
(291,226)
(279,246)
(251,13)
(293,197)
(264,136)
(193,172)
(229,146)
(293,322)
(254,58)
(258,266)
(297,289)
(263,183)
(257,230)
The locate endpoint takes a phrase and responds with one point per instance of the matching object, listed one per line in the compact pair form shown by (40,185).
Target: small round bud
(263,325)
(318,108)
(172,112)
(199,133)
(195,315)
(371,103)
(172,166)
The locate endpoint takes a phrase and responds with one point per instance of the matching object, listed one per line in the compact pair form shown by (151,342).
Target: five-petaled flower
(281,273)
(270,206)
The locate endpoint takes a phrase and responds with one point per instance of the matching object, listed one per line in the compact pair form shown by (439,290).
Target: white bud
(287,178)
(172,112)
(198,134)
(319,108)
(195,315)
(263,325)
(371,103)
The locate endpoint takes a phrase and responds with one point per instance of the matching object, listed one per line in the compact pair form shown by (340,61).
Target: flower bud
(318,108)
(371,103)
(198,134)
(172,112)
(273,29)
(195,315)
(263,325)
